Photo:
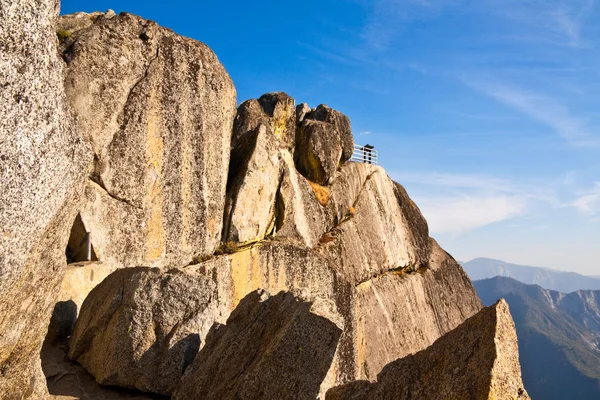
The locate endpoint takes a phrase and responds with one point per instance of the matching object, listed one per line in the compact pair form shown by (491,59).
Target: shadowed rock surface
(477,360)
(319,151)
(140,328)
(271,348)
(43,163)
(157,109)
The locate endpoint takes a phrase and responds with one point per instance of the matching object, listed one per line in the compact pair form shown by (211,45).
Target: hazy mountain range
(559,336)
(565,282)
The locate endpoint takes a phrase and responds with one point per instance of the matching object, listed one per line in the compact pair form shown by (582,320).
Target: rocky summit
(158,242)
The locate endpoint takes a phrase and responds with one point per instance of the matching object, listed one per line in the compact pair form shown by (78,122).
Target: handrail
(365,154)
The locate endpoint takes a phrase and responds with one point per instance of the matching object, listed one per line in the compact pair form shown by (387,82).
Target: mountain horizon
(559,337)
(551,279)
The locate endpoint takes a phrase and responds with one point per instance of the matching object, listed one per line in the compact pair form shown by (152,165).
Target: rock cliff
(190,227)
(43,162)
(477,360)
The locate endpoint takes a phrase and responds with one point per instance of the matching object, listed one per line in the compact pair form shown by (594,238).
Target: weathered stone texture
(375,232)
(342,125)
(158,110)
(478,360)
(42,165)
(399,313)
(318,152)
(276,347)
(141,329)
(263,133)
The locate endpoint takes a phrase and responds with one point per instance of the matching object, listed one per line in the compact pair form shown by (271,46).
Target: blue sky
(487,111)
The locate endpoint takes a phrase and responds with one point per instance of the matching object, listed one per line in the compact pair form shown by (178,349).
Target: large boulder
(341,124)
(263,132)
(43,163)
(478,360)
(141,328)
(158,110)
(318,151)
(277,347)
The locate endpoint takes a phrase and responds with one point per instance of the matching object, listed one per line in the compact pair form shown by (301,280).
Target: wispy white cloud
(365,133)
(546,110)
(589,203)
(457,203)
(464,213)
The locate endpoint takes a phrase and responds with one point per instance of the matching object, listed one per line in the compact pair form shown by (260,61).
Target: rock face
(319,151)
(275,347)
(140,328)
(341,123)
(170,174)
(42,167)
(157,109)
(477,360)
(264,130)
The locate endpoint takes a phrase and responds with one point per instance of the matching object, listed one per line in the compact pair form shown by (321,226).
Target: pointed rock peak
(276,103)
(477,360)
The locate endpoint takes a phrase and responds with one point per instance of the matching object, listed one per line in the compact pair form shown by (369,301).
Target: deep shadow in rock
(62,321)
(67,378)
(271,348)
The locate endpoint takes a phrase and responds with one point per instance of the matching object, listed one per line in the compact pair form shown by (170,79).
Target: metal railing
(365,154)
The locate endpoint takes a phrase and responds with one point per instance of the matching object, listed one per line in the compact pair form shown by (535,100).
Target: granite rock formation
(273,347)
(185,208)
(43,163)
(140,328)
(157,109)
(478,360)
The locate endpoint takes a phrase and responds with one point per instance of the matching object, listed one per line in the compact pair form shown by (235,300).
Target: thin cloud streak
(589,203)
(543,109)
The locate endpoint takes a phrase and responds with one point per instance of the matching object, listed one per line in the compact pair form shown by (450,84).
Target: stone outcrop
(43,163)
(140,328)
(206,206)
(340,122)
(264,130)
(276,347)
(401,312)
(319,151)
(157,109)
(477,360)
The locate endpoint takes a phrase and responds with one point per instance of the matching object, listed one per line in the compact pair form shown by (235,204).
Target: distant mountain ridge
(565,282)
(559,337)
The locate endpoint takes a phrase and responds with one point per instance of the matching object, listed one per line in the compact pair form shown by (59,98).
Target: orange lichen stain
(245,274)
(321,192)
(155,235)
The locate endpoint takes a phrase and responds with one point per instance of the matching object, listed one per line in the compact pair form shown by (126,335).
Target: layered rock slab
(157,109)
(402,311)
(43,162)
(272,347)
(477,360)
